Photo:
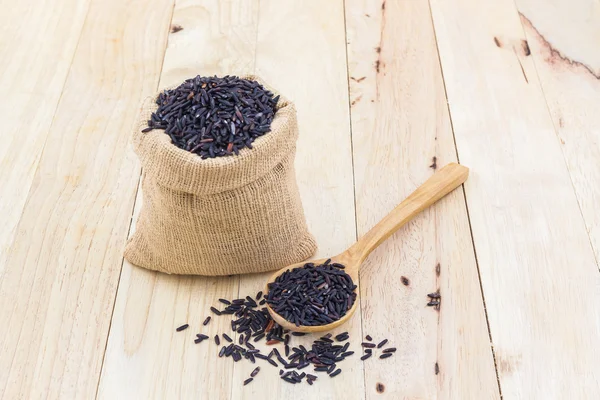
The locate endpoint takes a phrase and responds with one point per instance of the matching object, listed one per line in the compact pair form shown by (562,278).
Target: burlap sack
(220,216)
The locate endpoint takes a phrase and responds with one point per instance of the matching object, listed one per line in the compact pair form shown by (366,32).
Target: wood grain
(58,290)
(300,51)
(445,180)
(537,267)
(145,357)
(34,67)
(401,135)
(562,37)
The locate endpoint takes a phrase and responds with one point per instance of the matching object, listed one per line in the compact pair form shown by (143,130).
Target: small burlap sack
(221,216)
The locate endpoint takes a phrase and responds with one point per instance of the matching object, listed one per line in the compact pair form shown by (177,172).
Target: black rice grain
(257,338)
(247,381)
(335,373)
(368,337)
(200,337)
(389,350)
(206,321)
(342,336)
(303,365)
(214,117)
(255,372)
(217,341)
(382,343)
(182,327)
(363,358)
(386,355)
(250,302)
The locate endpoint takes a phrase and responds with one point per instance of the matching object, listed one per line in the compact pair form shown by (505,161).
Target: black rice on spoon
(312,294)
(214,117)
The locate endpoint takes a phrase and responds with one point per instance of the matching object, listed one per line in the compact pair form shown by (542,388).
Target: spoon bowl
(439,185)
(351,268)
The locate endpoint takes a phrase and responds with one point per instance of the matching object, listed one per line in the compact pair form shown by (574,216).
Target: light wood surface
(34,69)
(435,188)
(400,122)
(562,38)
(58,287)
(534,254)
(387,92)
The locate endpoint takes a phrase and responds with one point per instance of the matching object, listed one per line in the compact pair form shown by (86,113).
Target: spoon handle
(439,185)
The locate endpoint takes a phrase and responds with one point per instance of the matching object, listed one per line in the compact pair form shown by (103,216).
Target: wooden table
(386,93)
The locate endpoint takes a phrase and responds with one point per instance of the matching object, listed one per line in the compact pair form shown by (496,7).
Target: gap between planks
(464,193)
(362,324)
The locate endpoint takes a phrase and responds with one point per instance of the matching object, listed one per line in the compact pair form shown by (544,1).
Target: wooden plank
(34,67)
(563,39)
(401,132)
(57,292)
(301,52)
(145,357)
(537,267)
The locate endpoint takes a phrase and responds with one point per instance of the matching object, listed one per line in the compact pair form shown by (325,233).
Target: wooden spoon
(440,184)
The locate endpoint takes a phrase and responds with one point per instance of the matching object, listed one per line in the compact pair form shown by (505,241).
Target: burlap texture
(221,216)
